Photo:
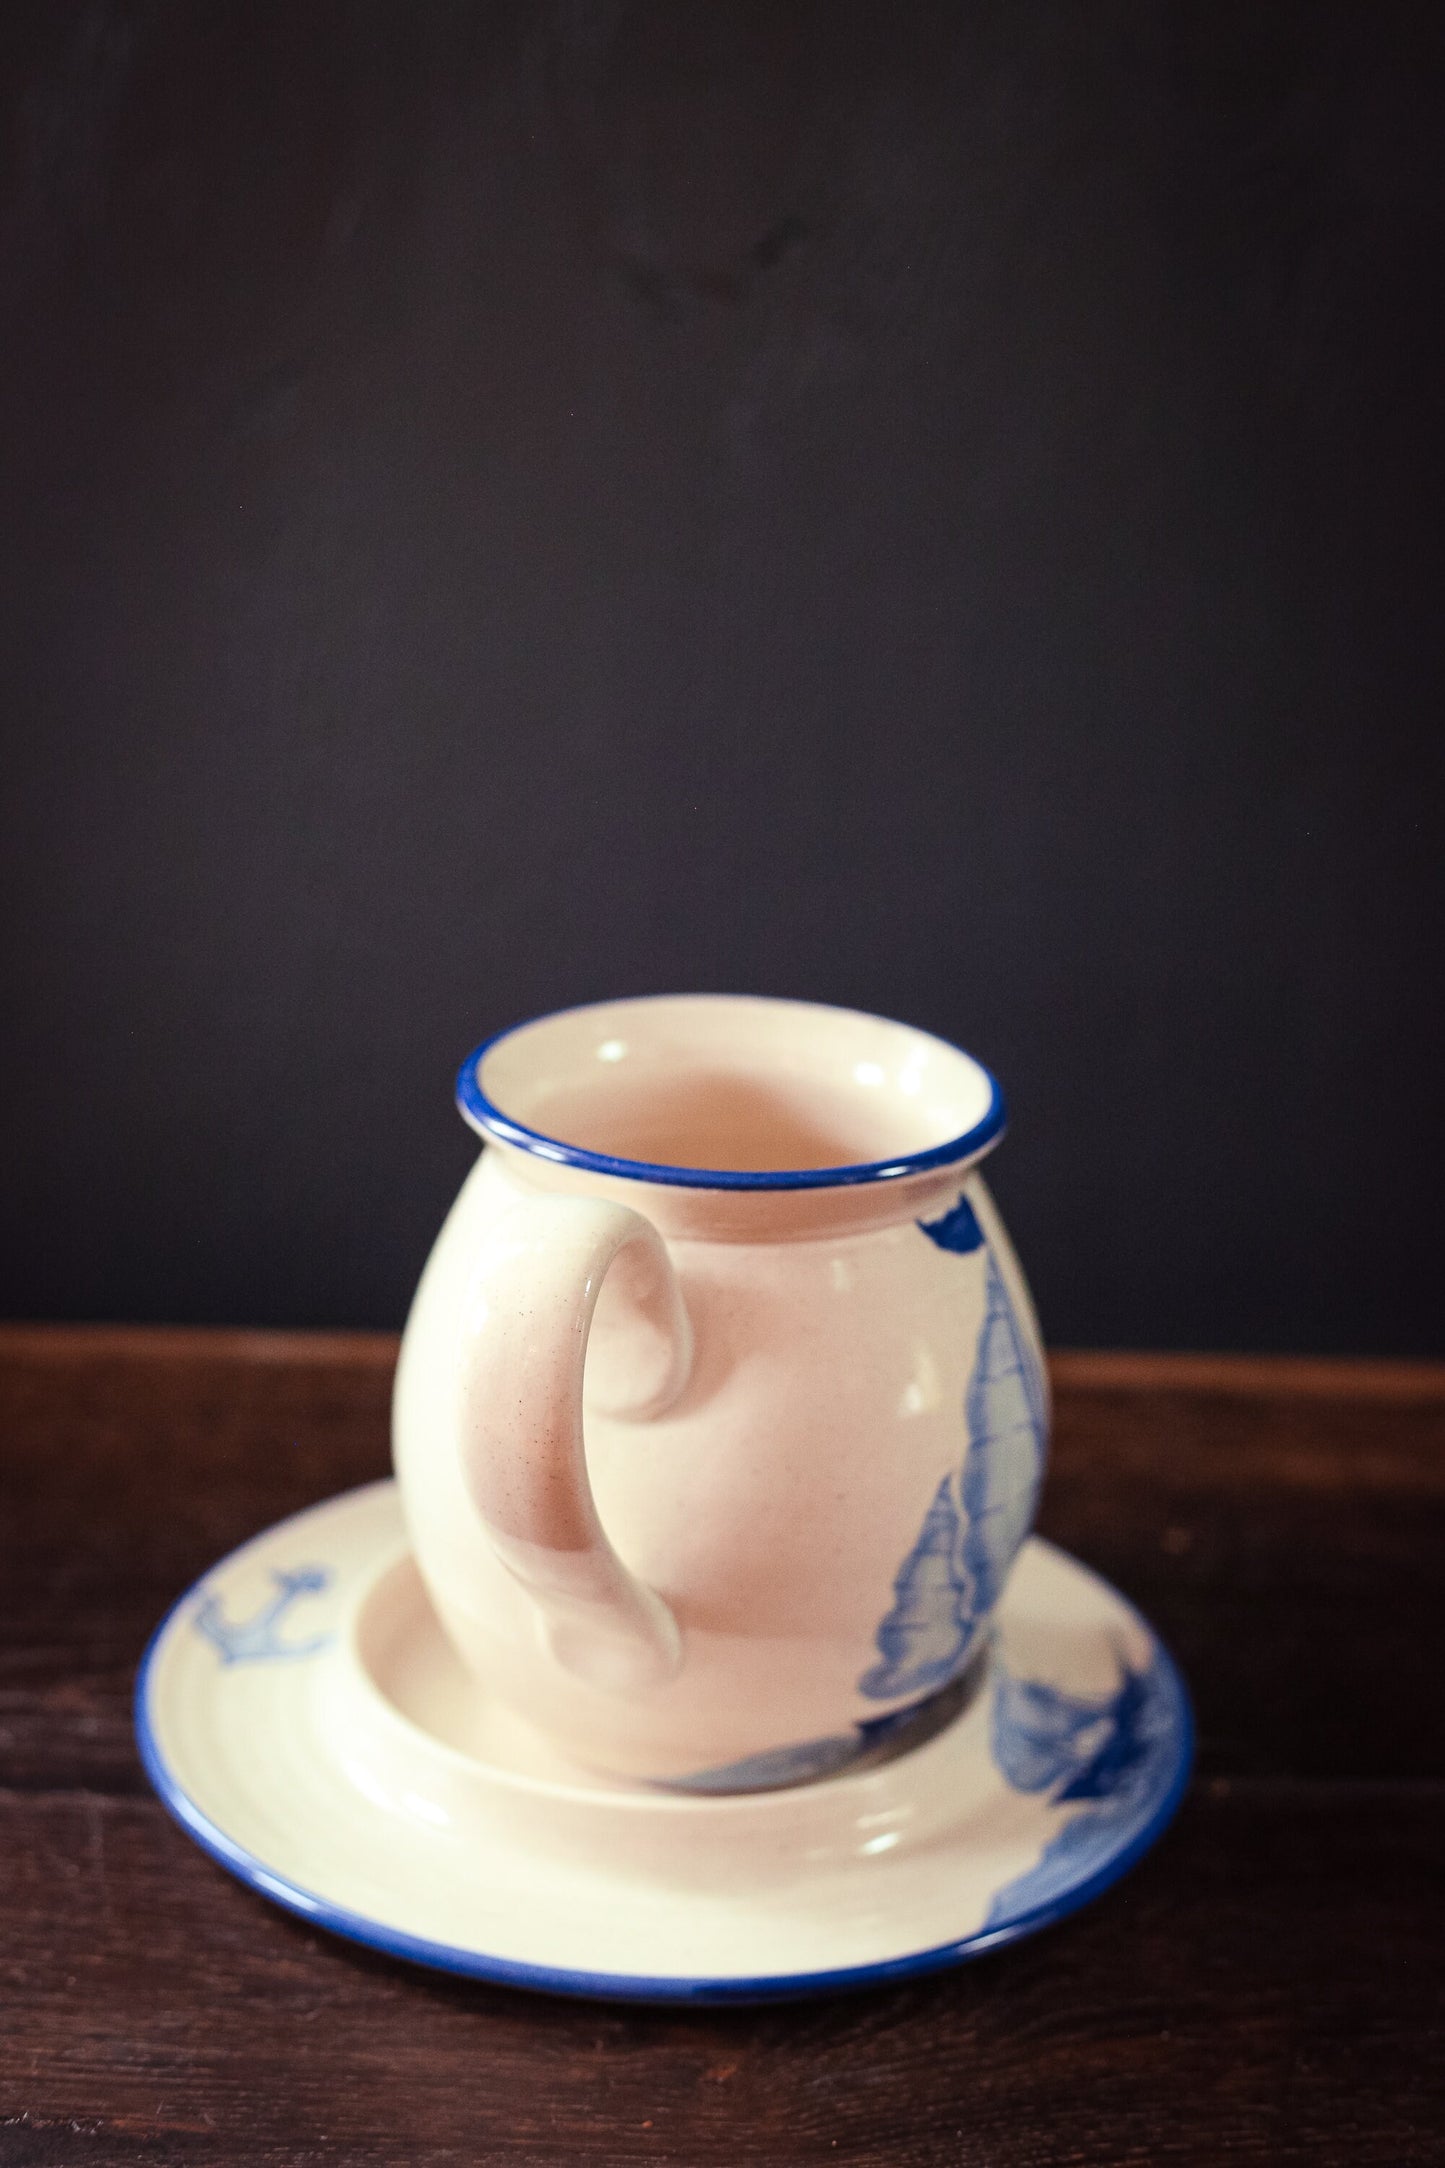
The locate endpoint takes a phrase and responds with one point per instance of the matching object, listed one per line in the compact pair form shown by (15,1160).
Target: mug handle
(528,1321)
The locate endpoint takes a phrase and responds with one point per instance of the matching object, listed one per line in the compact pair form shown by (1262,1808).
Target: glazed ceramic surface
(304,1716)
(815,1410)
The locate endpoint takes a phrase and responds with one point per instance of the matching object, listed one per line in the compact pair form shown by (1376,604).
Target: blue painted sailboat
(980,1513)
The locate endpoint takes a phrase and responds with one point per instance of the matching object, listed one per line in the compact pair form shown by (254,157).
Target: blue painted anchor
(259,1636)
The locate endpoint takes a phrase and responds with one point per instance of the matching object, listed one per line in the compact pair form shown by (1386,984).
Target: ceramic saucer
(302,1715)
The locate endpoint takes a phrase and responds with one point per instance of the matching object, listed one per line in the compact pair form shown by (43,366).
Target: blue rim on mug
(485,1116)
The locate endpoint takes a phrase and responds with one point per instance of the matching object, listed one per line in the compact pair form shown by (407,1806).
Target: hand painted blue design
(957,1230)
(873,1740)
(1111,1758)
(779,1766)
(259,1636)
(1005,1463)
(925,1637)
(978,1516)
(1077,1746)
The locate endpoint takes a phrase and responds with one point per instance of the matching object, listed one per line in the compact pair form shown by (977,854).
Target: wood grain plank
(1266,1989)
(1286,1544)
(1289,1548)
(128,1471)
(1076,1369)
(1311,1377)
(61,1344)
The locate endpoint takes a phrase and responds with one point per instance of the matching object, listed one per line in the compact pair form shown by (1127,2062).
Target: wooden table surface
(1267,1986)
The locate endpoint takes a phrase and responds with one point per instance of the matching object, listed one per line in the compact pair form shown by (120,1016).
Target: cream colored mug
(721,1410)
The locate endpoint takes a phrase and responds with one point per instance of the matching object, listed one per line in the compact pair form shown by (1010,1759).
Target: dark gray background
(933,507)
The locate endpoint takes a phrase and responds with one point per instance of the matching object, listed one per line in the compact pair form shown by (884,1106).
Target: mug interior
(731,1091)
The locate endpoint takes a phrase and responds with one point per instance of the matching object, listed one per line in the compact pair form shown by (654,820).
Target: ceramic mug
(721,1409)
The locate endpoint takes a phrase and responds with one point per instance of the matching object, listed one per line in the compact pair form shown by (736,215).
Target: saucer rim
(459,1960)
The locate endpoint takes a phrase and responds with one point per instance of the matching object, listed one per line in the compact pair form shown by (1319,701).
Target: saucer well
(302,1715)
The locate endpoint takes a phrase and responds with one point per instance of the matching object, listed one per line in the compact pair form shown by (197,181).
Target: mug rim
(486,1117)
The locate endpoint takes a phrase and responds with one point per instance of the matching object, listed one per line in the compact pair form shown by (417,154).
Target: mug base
(865,1746)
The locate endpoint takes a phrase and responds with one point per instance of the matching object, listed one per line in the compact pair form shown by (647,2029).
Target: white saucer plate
(303,1717)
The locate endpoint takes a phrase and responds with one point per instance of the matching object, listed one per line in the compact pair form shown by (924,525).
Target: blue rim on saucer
(1106,1770)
